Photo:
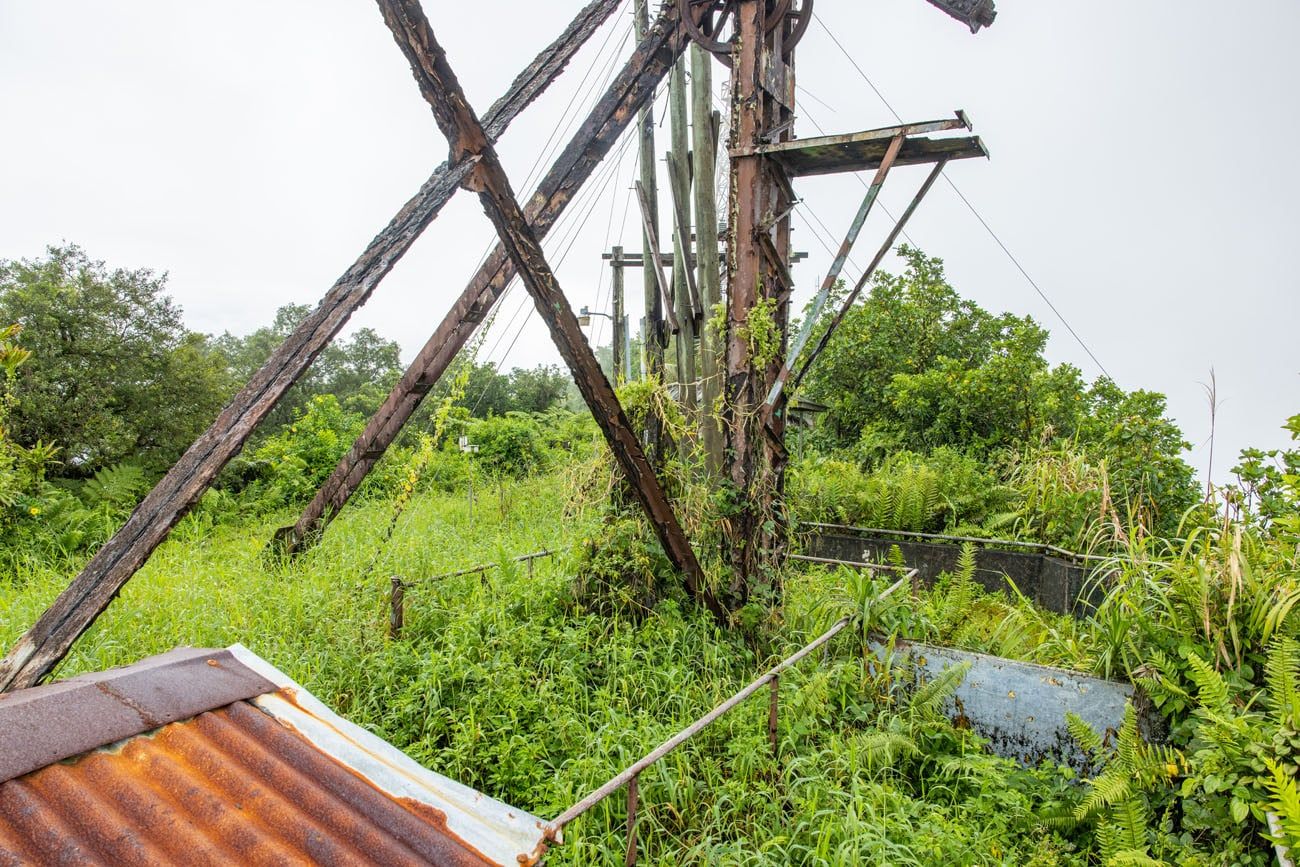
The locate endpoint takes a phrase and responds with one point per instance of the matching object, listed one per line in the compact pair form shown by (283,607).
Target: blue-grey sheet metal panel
(1020,707)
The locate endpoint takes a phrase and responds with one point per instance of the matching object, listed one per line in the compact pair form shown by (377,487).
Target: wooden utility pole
(619,347)
(684,289)
(655,336)
(758,302)
(709,278)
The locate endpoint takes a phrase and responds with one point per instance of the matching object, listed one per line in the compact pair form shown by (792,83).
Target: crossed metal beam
(458,122)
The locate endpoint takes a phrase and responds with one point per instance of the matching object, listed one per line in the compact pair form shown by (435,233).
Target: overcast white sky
(1142,168)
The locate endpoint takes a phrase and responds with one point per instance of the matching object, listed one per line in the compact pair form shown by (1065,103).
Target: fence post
(771,714)
(632,795)
(397,608)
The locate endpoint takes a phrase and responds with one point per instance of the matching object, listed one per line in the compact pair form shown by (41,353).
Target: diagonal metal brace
(833,275)
(848,302)
(441,89)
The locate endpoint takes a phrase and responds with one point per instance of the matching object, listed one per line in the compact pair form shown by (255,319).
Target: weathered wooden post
(684,288)
(759,288)
(619,347)
(396,608)
(705,153)
(654,336)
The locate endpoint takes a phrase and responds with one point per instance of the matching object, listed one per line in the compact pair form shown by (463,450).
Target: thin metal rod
(772,706)
(830,561)
(525,558)
(555,830)
(798,376)
(686,734)
(633,795)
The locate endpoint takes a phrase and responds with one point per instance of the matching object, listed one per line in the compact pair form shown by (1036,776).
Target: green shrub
(509,445)
(943,490)
(290,466)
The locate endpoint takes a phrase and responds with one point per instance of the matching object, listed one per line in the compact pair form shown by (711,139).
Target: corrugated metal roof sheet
(276,779)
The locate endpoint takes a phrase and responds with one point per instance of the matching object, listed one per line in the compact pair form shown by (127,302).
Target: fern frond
(883,748)
(1107,790)
(1282,674)
(1211,688)
(928,700)
(1084,735)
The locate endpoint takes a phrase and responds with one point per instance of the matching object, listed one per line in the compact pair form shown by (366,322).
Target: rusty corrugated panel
(275,779)
(232,786)
(50,723)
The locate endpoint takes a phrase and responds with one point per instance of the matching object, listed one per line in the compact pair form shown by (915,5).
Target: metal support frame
(834,325)
(613,113)
(458,122)
(837,265)
(36,653)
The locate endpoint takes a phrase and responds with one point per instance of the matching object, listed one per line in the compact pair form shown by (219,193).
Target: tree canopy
(117,376)
(914,366)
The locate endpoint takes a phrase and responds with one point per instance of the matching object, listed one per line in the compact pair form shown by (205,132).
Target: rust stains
(230,786)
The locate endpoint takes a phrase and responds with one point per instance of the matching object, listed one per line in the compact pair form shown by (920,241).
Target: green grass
(502,683)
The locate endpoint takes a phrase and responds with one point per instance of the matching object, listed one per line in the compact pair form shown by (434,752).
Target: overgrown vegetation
(943,418)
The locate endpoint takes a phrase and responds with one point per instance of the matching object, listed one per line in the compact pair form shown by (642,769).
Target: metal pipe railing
(630,777)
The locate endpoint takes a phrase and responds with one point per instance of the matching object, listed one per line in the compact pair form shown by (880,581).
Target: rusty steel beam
(43,645)
(631,89)
(458,122)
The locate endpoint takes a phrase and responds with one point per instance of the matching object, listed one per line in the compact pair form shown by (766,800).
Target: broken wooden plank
(39,649)
(441,89)
(862,151)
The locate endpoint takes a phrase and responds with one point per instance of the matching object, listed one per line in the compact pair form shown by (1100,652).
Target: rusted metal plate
(861,151)
(278,779)
(59,720)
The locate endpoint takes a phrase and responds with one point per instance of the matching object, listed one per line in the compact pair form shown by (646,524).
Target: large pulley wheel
(713,23)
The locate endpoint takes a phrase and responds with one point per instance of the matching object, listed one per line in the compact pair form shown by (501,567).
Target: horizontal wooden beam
(860,151)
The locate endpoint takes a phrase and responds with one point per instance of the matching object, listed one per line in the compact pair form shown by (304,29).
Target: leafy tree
(539,388)
(116,375)
(917,367)
(509,445)
(358,370)
(1270,483)
(487,391)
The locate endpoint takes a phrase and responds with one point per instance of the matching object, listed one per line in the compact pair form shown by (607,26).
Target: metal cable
(983,222)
